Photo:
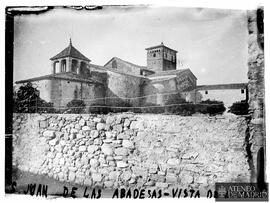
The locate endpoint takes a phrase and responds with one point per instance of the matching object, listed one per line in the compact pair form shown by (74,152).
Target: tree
(27,100)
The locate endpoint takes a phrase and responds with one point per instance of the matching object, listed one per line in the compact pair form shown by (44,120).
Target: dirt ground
(55,188)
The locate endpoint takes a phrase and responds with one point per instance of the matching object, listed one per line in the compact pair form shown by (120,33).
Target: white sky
(211,42)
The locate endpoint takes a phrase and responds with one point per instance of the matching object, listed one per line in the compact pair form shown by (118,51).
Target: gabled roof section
(167,73)
(118,60)
(105,69)
(70,51)
(161,45)
(170,73)
(63,76)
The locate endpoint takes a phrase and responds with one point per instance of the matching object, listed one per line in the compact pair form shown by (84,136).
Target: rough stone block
(101,126)
(121,164)
(173,162)
(53,142)
(71,176)
(97,177)
(86,128)
(107,149)
(82,148)
(161,185)
(121,151)
(128,144)
(82,122)
(43,124)
(49,134)
(88,182)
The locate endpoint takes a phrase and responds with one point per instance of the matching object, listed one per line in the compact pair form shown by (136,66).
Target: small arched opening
(56,67)
(63,65)
(74,65)
(82,68)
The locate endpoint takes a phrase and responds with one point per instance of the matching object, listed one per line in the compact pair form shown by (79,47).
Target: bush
(75,106)
(97,109)
(45,107)
(239,108)
(151,108)
(183,108)
(211,107)
(125,107)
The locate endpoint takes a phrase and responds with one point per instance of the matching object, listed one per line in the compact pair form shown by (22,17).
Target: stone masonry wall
(123,86)
(256,93)
(132,150)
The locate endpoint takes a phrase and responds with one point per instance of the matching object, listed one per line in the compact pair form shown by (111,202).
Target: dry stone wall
(256,90)
(132,150)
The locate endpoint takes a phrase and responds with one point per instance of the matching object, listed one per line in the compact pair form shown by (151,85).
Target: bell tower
(161,58)
(69,60)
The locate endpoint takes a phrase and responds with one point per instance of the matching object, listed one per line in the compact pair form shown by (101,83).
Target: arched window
(75,94)
(154,55)
(74,64)
(56,67)
(63,66)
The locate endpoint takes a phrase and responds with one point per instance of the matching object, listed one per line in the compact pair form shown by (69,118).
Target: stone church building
(118,82)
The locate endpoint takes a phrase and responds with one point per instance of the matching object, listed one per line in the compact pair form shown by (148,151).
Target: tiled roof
(105,69)
(64,76)
(161,45)
(167,73)
(170,73)
(126,62)
(70,51)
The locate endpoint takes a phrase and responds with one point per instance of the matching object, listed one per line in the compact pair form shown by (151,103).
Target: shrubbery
(211,107)
(98,109)
(239,108)
(27,100)
(76,106)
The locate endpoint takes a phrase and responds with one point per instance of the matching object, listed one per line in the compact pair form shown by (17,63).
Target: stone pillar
(68,64)
(61,65)
(256,94)
(79,67)
(52,67)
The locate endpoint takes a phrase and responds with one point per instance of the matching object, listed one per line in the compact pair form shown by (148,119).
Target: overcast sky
(211,42)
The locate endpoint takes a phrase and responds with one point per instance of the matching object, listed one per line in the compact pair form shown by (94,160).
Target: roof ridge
(70,51)
(117,58)
(65,75)
(160,45)
(117,71)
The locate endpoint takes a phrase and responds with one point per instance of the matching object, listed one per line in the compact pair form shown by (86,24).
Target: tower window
(154,55)
(206,92)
